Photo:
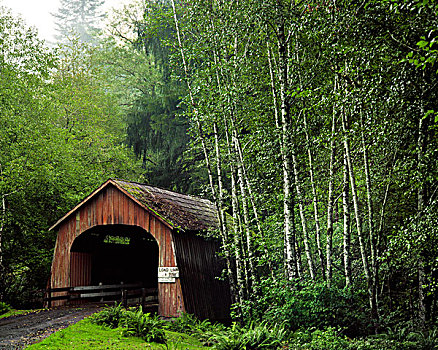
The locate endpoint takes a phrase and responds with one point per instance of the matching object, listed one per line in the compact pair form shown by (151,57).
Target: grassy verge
(86,335)
(15,312)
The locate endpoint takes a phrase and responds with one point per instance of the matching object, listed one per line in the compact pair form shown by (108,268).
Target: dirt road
(17,332)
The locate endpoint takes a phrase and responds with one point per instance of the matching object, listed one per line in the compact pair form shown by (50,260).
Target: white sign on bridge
(167,274)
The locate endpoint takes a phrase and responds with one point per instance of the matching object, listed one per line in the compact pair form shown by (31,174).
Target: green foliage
(138,324)
(424,340)
(252,337)
(111,317)
(203,330)
(232,339)
(187,323)
(61,135)
(301,304)
(261,72)
(403,338)
(4,308)
(135,323)
(329,339)
(86,335)
(184,324)
(156,127)
(265,336)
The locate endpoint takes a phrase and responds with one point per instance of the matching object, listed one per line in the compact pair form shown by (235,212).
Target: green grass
(86,335)
(15,312)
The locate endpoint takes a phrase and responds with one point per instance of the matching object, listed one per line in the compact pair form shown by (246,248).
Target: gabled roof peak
(178,211)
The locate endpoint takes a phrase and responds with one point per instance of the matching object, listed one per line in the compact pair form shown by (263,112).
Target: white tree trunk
(314,198)
(346,214)
(303,218)
(329,236)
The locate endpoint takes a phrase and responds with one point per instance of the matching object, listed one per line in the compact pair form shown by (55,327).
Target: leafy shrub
(201,330)
(426,340)
(263,336)
(138,324)
(254,337)
(331,339)
(306,304)
(4,308)
(231,339)
(110,317)
(184,324)
(328,339)
(135,323)
(381,343)
(401,337)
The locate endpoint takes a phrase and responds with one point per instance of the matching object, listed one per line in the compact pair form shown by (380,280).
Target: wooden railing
(102,293)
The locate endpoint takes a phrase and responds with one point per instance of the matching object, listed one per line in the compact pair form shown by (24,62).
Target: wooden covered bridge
(131,233)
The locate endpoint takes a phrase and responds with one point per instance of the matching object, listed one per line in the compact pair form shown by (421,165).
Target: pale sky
(36,13)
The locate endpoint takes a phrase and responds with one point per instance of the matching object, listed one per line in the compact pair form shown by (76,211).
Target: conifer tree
(79,17)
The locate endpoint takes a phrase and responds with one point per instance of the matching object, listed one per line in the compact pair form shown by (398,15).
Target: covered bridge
(133,233)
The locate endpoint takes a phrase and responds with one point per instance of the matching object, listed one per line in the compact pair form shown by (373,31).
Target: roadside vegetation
(7,311)
(117,328)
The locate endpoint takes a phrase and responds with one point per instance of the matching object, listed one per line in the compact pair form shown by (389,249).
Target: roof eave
(100,188)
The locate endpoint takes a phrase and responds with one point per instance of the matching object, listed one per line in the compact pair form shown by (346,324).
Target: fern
(139,324)
(110,317)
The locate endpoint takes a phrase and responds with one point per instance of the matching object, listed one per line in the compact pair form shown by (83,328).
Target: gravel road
(17,332)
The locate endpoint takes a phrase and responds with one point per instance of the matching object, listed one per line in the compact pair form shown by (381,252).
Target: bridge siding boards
(197,260)
(67,270)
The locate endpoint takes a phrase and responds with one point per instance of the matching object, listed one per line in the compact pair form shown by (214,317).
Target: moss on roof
(178,210)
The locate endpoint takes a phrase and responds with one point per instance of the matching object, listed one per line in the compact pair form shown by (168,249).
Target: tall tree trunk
(329,245)
(420,208)
(246,220)
(290,258)
(2,227)
(372,239)
(347,231)
(303,218)
(362,247)
(254,206)
(297,252)
(223,222)
(380,232)
(237,234)
(314,198)
(286,143)
(205,151)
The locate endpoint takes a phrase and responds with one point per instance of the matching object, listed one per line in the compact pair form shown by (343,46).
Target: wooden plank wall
(200,266)
(110,207)
(80,269)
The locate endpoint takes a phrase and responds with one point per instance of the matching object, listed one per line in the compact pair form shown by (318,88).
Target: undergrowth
(264,335)
(4,308)
(133,323)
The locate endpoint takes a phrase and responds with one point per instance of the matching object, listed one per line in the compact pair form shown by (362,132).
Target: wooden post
(125,298)
(143,297)
(49,297)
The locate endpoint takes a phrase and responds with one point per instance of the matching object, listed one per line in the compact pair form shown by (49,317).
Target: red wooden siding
(111,206)
(80,269)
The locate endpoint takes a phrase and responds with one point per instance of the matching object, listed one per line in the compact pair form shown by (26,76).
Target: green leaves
(134,323)
(61,135)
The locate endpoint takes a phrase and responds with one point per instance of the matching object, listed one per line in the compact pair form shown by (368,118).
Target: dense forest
(312,126)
